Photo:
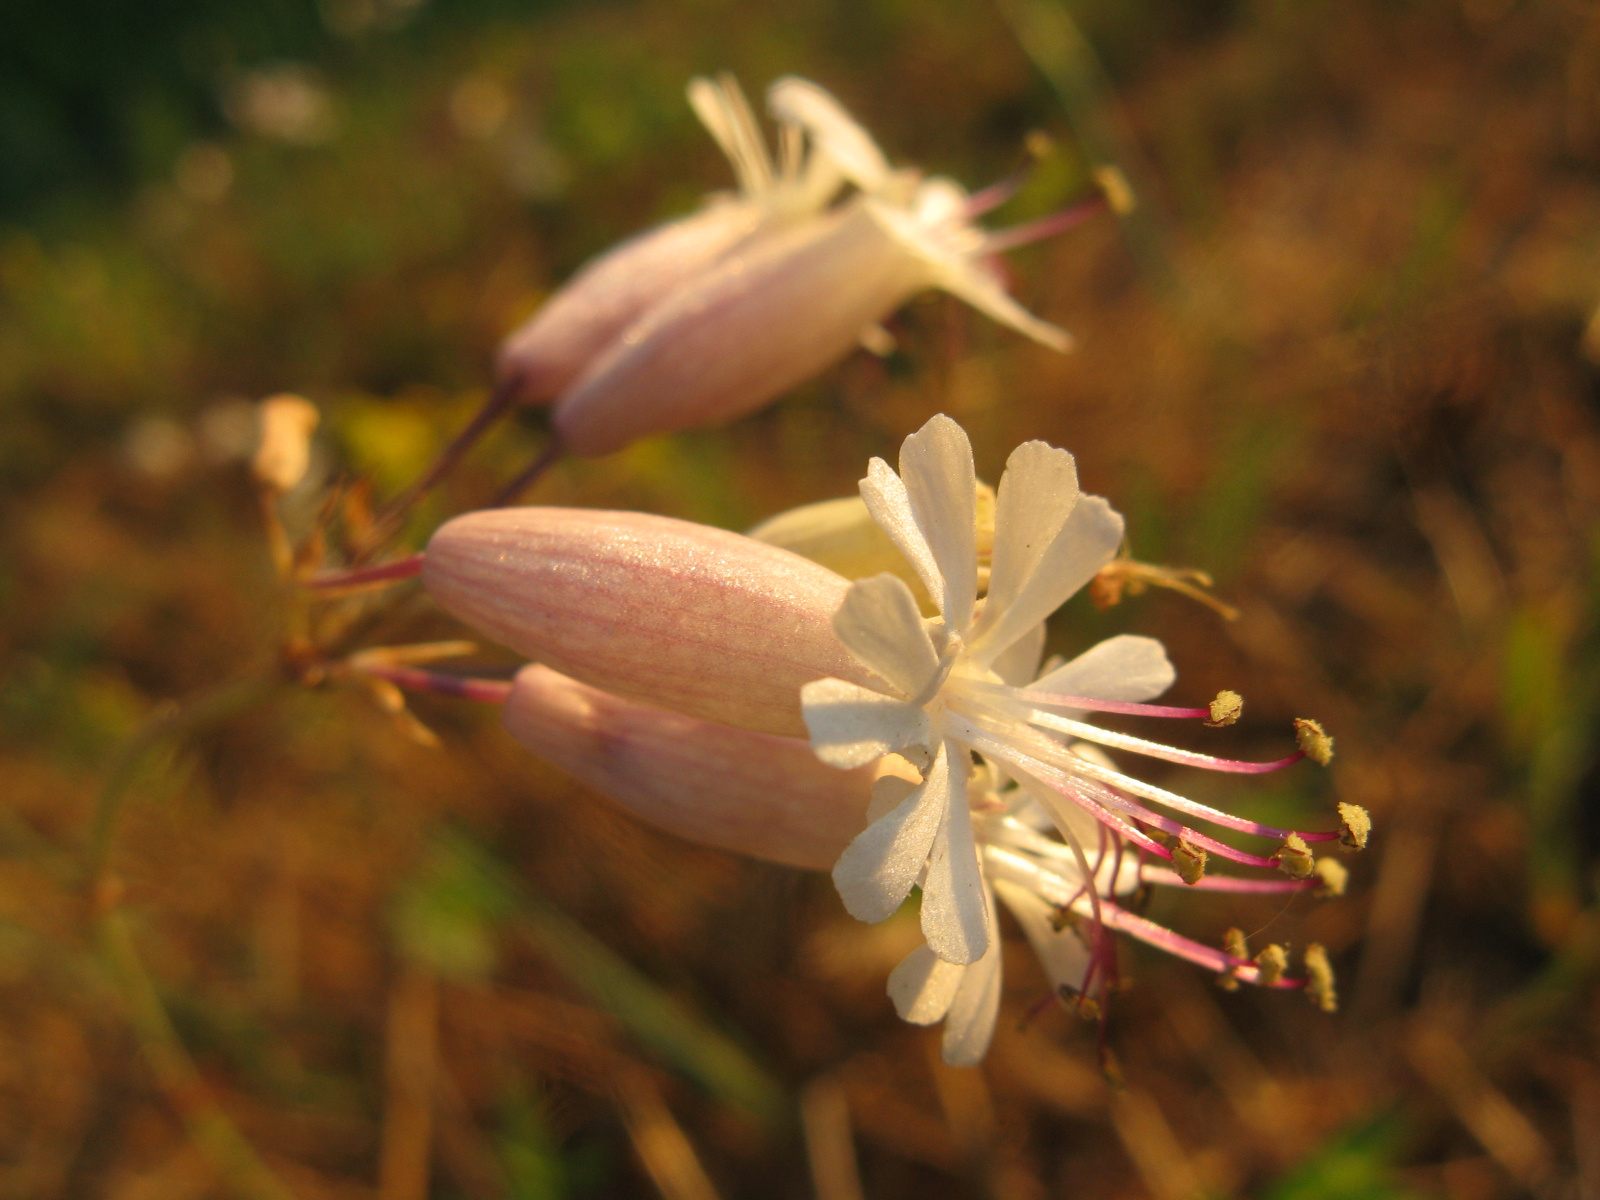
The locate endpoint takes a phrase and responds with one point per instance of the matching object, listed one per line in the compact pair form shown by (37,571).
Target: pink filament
(1227,883)
(1202,955)
(464,687)
(1034,231)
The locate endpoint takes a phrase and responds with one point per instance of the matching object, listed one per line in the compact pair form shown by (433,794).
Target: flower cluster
(857,685)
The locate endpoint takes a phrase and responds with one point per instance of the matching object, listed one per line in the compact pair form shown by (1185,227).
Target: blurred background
(261,939)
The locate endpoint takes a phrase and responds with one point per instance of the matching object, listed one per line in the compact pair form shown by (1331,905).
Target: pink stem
(1227,883)
(501,397)
(464,687)
(361,577)
(998,192)
(1034,231)
(512,492)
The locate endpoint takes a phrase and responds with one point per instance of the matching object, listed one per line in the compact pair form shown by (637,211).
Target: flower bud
(551,349)
(772,314)
(686,617)
(752,793)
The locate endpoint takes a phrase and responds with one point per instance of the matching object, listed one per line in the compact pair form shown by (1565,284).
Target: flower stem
(463,687)
(364,577)
(513,491)
(501,398)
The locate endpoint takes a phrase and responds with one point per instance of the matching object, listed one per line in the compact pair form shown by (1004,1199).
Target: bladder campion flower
(957,686)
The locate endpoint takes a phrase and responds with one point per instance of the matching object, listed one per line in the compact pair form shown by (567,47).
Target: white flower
(956,686)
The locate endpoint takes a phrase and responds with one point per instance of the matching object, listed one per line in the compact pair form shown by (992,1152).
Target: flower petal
(884,494)
(1061,951)
(1126,667)
(723,110)
(1019,662)
(969,1025)
(880,624)
(923,985)
(834,132)
(1088,540)
(936,464)
(955,913)
(1037,494)
(851,725)
(875,873)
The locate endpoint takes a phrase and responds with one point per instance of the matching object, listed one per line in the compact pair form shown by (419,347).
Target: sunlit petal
(936,464)
(851,726)
(881,625)
(876,872)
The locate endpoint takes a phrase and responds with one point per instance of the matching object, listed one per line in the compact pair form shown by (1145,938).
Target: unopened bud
(284,452)
(1225,709)
(1294,858)
(768,797)
(682,616)
(1314,741)
(1319,979)
(1355,826)
(1272,963)
(1333,875)
(1189,861)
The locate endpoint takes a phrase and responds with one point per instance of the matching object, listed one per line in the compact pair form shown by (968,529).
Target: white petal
(936,464)
(726,114)
(969,1025)
(880,624)
(834,132)
(955,914)
(1126,667)
(1088,541)
(950,259)
(923,985)
(852,725)
(1061,952)
(885,496)
(1018,664)
(1037,495)
(875,873)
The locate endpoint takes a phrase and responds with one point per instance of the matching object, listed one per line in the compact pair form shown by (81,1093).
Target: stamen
(1331,877)
(1086,703)
(1189,861)
(998,192)
(1226,883)
(364,577)
(1356,825)
(464,687)
(1182,803)
(1314,741)
(1272,963)
(1235,944)
(1187,758)
(1225,709)
(1044,227)
(1319,979)
(1293,858)
(1202,955)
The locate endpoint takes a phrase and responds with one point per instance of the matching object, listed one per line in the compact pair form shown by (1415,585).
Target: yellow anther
(1333,875)
(1272,963)
(1314,740)
(1225,709)
(1233,942)
(1355,826)
(1319,979)
(1189,861)
(1293,857)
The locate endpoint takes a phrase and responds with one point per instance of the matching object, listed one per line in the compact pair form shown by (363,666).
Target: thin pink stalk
(364,577)
(463,687)
(512,492)
(1136,745)
(1212,959)
(1090,704)
(1034,231)
(501,397)
(1193,808)
(997,193)
(1227,883)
